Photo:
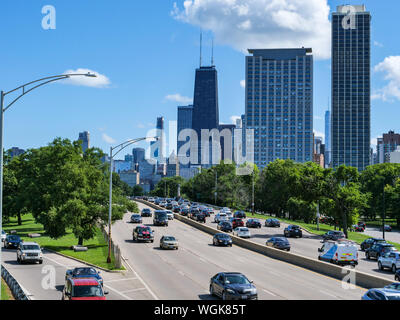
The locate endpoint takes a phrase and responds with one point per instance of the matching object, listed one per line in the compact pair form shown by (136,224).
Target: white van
(342,252)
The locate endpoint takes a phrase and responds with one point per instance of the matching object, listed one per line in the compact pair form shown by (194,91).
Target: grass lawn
(5,291)
(97,247)
(323,228)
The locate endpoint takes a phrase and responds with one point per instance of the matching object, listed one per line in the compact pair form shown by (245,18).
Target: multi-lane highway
(185,273)
(307,246)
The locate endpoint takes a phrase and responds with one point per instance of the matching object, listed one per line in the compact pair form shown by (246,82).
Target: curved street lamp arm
(49,80)
(126,144)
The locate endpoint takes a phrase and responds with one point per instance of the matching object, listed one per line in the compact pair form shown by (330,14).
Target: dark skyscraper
(184,122)
(351,104)
(157,147)
(85,138)
(205,104)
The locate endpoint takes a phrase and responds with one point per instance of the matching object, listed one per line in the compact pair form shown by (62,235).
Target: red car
(237,222)
(83,289)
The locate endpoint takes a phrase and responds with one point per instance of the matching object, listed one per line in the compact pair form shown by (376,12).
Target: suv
(390,260)
(83,289)
(378,250)
(146,212)
(143,233)
(293,231)
(368,243)
(333,235)
(240,214)
(29,252)
(160,218)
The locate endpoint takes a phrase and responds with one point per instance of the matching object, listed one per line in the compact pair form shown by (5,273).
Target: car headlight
(230,291)
(23,254)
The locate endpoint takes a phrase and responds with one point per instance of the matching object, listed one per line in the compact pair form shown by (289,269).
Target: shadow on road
(59,288)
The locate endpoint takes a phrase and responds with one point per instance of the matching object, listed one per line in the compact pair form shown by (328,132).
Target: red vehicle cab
(237,222)
(83,289)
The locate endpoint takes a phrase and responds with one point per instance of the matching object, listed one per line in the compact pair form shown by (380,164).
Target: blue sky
(149,51)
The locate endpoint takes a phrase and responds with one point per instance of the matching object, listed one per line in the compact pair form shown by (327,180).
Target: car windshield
(30,247)
(243,229)
(295,227)
(135,216)
(13,238)
(87,291)
(237,279)
(223,236)
(84,271)
(394,297)
(144,229)
(169,239)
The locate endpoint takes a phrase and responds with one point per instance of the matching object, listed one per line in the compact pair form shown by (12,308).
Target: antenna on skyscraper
(201,43)
(212,52)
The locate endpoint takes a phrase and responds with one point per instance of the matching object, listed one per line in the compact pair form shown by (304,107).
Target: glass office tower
(279,104)
(205,104)
(327,138)
(185,114)
(351,103)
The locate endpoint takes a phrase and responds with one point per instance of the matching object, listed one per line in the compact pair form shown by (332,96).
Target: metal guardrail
(13,284)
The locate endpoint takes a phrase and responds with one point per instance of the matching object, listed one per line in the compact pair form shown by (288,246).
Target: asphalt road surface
(307,246)
(46,281)
(393,236)
(184,274)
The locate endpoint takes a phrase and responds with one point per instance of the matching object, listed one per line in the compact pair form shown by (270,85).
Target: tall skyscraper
(85,138)
(138,155)
(387,144)
(205,105)
(279,104)
(351,103)
(157,147)
(327,138)
(184,122)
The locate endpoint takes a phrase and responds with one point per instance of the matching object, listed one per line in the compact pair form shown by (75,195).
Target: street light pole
(120,147)
(25,90)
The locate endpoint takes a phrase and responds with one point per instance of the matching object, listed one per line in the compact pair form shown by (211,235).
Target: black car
(253,223)
(169,206)
(293,231)
(333,235)
(387,228)
(136,218)
(193,212)
(397,275)
(232,286)
(239,214)
(368,243)
(378,250)
(146,212)
(200,217)
(205,212)
(225,226)
(143,233)
(362,224)
(12,241)
(184,211)
(278,243)
(273,223)
(176,208)
(222,239)
(160,218)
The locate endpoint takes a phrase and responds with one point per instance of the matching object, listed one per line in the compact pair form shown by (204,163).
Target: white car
(225,209)
(390,260)
(170,214)
(152,199)
(229,214)
(242,232)
(220,217)
(3,235)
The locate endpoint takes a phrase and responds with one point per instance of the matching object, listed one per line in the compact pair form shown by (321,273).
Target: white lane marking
(181,273)
(142,281)
(201,259)
(328,294)
(133,290)
(268,292)
(116,280)
(118,292)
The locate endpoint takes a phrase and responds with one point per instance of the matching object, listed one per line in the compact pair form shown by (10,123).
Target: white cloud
(107,138)
(178,98)
(378,44)
(243,83)
(391,68)
(255,24)
(100,81)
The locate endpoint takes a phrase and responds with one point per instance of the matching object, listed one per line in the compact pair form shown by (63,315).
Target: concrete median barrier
(352,276)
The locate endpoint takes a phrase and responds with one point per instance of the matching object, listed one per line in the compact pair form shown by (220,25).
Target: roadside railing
(13,284)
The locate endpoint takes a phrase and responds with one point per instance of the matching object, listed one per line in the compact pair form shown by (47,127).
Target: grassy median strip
(97,247)
(323,228)
(5,291)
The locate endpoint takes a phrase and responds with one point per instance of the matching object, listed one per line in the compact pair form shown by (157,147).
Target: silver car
(389,260)
(29,252)
(381,294)
(242,232)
